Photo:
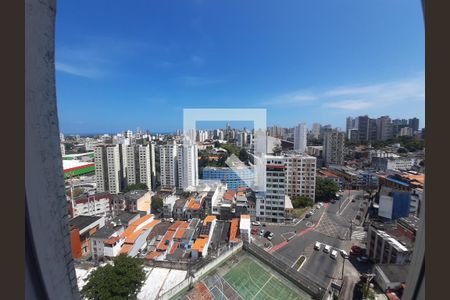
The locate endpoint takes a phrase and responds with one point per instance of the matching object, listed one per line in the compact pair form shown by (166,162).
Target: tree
(76,192)
(157,203)
(422,163)
(243,155)
(137,186)
(301,201)
(122,280)
(326,189)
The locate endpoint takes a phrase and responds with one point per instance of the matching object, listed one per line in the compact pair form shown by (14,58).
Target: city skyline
(135,68)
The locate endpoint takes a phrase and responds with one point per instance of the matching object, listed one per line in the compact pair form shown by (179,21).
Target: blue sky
(127,64)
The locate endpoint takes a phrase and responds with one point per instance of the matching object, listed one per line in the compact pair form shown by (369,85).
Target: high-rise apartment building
(363,128)
(270,205)
(315,130)
(300,132)
(300,171)
(168,164)
(349,125)
(108,172)
(384,128)
(137,164)
(333,147)
(413,124)
(187,166)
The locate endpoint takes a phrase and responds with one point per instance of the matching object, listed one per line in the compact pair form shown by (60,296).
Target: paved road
(329,225)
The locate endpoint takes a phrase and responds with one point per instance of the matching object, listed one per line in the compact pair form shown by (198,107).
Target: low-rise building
(390,276)
(133,201)
(390,163)
(91,205)
(385,247)
(81,229)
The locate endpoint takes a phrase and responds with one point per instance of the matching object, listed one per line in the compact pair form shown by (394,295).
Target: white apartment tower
(108,173)
(300,175)
(333,147)
(270,206)
(136,161)
(300,132)
(315,130)
(168,164)
(187,156)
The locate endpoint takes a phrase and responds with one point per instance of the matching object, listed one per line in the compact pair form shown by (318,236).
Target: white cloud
(78,71)
(349,104)
(353,98)
(295,98)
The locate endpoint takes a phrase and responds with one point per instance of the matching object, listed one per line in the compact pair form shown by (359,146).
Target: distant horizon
(152,132)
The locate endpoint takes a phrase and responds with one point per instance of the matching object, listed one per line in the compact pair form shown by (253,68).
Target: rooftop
(82,222)
(106,231)
(395,272)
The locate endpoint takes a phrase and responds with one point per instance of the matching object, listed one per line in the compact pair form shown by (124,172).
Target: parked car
(266,234)
(333,254)
(327,249)
(256,223)
(333,201)
(254,231)
(270,237)
(344,254)
(317,246)
(362,259)
(271,234)
(261,233)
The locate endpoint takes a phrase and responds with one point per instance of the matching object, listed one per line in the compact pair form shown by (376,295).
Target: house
(133,201)
(390,276)
(81,229)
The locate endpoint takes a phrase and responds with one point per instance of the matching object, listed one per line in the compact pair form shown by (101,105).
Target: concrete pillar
(46,205)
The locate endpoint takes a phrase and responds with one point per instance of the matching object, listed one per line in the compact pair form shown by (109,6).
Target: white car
(317,246)
(256,223)
(327,249)
(261,233)
(333,254)
(344,254)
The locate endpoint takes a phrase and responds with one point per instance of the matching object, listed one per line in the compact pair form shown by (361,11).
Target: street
(330,225)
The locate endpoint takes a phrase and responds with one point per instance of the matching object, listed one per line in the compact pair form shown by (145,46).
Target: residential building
(349,125)
(300,175)
(137,164)
(413,124)
(391,163)
(270,205)
(385,248)
(384,128)
(91,205)
(406,131)
(315,130)
(363,128)
(168,164)
(133,201)
(63,149)
(300,132)
(390,276)
(81,228)
(333,148)
(108,171)
(187,166)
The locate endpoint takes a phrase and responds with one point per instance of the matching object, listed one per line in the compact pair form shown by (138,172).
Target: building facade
(300,170)
(333,148)
(300,133)
(187,166)
(270,205)
(108,171)
(234,178)
(168,165)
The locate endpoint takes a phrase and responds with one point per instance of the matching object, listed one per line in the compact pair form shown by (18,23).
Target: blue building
(233,179)
(394,204)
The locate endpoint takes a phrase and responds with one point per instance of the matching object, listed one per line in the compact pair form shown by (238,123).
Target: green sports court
(245,278)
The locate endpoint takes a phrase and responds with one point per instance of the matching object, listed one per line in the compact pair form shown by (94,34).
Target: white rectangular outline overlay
(257,115)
